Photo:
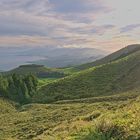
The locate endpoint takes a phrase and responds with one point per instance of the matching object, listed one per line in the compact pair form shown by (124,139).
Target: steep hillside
(39,70)
(111,78)
(114,56)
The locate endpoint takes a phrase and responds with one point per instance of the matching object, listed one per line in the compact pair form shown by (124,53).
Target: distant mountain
(114,56)
(65,57)
(115,75)
(49,56)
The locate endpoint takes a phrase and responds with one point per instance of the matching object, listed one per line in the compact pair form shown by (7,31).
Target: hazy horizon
(12,57)
(38,25)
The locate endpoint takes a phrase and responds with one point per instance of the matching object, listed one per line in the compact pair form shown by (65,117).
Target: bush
(105,130)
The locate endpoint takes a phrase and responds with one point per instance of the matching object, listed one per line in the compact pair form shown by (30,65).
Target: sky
(103,24)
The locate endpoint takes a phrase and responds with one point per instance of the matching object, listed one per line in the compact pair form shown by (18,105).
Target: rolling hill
(39,70)
(109,78)
(102,102)
(112,57)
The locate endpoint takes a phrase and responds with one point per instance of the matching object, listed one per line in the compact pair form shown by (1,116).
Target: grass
(45,81)
(72,121)
(123,124)
(7,106)
(108,79)
(110,58)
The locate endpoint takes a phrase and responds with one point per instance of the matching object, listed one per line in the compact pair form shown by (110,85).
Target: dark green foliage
(38,70)
(3,86)
(18,88)
(31,84)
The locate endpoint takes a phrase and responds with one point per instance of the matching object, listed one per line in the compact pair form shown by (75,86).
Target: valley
(69,70)
(93,101)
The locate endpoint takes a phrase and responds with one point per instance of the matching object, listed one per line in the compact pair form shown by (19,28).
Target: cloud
(77,6)
(98,30)
(27,41)
(21,23)
(89,23)
(79,10)
(36,6)
(18,24)
(43,7)
(129,28)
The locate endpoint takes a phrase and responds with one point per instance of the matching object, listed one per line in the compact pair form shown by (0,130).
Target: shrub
(105,130)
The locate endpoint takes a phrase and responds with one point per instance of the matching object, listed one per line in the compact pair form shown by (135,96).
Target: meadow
(108,119)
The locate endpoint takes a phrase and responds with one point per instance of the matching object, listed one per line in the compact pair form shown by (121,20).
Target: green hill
(107,79)
(112,57)
(39,70)
(99,103)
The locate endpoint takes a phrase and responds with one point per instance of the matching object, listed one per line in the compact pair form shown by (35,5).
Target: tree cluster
(18,88)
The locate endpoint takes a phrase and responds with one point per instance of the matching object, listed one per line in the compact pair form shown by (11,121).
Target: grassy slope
(70,121)
(107,79)
(114,56)
(45,81)
(7,106)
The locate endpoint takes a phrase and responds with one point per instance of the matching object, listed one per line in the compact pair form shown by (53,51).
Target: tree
(31,83)
(3,86)
(18,88)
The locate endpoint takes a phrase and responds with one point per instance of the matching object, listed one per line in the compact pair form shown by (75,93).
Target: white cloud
(89,23)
